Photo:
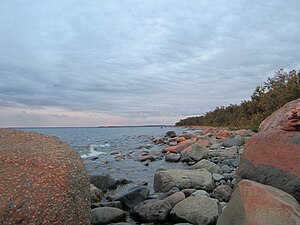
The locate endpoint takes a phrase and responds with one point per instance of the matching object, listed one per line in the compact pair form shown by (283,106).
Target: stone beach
(231,178)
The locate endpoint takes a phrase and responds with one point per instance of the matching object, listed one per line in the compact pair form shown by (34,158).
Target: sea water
(95,146)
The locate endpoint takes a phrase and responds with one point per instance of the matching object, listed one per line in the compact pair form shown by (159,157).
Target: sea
(115,151)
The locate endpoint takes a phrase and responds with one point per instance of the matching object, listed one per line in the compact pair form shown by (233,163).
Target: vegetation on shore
(272,95)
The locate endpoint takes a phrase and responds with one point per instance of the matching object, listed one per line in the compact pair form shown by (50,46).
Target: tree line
(272,95)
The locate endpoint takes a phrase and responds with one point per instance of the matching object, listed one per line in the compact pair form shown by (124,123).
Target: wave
(93,152)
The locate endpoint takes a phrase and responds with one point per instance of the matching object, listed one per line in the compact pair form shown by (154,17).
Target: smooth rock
(198,210)
(113,204)
(255,203)
(133,197)
(188,135)
(188,191)
(217,177)
(181,146)
(200,193)
(172,157)
(272,157)
(96,193)
(103,181)
(170,134)
(206,164)
(156,210)
(236,141)
(198,152)
(43,181)
(222,193)
(167,179)
(106,215)
(226,169)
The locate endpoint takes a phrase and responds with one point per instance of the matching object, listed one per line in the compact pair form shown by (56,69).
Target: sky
(136,62)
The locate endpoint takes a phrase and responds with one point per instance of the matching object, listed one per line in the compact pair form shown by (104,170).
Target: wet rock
(172,157)
(222,193)
(236,141)
(103,181)
(254,203)
(146,158)
(115,152)
(157,210)
(206,164)
(106,215)
(123,181)
(167,179)
(133,197)
(43,181)
(170,134)
(159,141)
(198,210)
(96,193)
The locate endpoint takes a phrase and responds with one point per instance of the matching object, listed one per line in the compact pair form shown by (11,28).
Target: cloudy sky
(129,62)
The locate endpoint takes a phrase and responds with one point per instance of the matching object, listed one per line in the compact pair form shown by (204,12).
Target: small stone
(200,193)
(226,169)
(217,177)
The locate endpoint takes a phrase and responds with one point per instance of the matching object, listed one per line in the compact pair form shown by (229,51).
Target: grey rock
(222,193)
(170,134)
(167,179)
(210,166)
(226,169)
(113,204)
(172,157)
(103,181)
(236,141)
(106,215)
(198,210)
(133,197)
(228,176)
(217,177)
(188,191)
(156,210)
(96,193)
(200,193)
(198,152)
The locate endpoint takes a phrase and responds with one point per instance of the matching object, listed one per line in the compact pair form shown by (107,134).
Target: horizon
(130,63)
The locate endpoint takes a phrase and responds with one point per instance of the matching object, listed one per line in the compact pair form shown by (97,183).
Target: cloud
(138,59)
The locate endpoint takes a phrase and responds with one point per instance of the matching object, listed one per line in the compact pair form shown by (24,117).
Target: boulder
(254,203)
(106,215)
(154,211)
(198,210)
(178,148)
(133,197)
(180,139)
(224,134)
(210,166)
(236,141)
(286,118)
(103,181)
(170,134)
(188,135)
(43,181)
(272,157)
(96,193)
(222,193)
(164,180)
(172,157)
(197,152)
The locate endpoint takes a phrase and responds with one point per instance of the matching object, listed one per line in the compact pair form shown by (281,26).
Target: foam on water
(93,152)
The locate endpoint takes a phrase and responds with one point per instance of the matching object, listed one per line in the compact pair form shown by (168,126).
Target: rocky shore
(233,178)
(230,178)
